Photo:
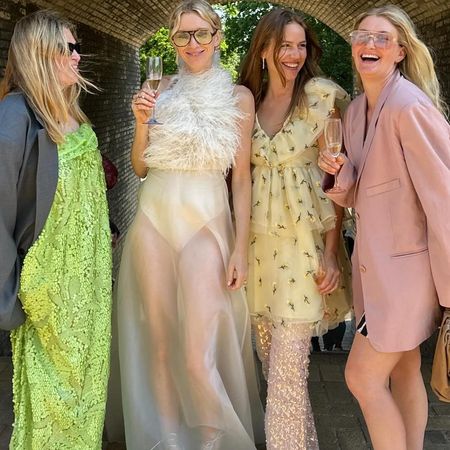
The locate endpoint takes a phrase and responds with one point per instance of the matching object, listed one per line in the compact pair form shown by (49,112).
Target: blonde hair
(38,42)
(200,7)
(417,66)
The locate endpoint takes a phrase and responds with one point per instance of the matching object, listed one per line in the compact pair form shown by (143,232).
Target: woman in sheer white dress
(187,368)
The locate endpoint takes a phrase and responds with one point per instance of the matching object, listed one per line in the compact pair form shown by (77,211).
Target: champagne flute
(319,273)
(154,75)
(333,139)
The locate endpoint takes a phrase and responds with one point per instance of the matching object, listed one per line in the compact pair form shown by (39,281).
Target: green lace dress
(61,352)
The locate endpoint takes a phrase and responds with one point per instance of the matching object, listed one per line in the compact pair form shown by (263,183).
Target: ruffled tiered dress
(61,352)
(184,339)
(290,215)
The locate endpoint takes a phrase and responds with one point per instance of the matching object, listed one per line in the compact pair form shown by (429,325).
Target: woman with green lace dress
(55,237)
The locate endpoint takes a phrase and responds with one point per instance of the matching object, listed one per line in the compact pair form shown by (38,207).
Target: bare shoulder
(245,98)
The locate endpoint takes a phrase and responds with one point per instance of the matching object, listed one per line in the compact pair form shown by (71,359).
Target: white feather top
(200,124)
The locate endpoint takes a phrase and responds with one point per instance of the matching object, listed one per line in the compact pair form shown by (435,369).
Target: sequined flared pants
(284,351)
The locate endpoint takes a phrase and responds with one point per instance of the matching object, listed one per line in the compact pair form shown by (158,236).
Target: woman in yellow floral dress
(294,227)
(55,242)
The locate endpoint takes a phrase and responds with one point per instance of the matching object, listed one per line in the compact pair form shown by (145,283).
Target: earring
(263,63)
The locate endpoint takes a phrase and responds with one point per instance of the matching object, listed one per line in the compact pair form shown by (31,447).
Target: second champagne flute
(333,139)
(154,75)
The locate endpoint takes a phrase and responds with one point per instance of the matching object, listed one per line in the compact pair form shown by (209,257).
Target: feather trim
(200,130)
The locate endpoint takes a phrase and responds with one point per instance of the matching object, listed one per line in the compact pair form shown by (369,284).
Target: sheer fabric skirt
(186,361)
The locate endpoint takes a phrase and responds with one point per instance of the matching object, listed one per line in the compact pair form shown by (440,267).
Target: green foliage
(240,19)
(336,58)
(159,45)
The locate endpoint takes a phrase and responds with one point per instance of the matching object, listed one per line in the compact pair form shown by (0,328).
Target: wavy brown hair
(36,48)
(271,29)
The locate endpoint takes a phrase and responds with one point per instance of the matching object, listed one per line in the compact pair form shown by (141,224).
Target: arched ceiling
(134,21)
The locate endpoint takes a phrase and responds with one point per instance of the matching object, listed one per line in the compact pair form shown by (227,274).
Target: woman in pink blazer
(397,177)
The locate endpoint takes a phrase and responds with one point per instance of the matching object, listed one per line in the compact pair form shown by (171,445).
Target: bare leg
(289,419)
(153,266)
(367,375)
(202,278)
(410,396)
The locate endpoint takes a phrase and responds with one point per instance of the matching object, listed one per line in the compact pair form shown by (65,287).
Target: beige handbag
(440,374)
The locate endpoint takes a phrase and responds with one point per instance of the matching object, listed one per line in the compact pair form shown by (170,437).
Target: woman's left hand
(237,270)
(332,274)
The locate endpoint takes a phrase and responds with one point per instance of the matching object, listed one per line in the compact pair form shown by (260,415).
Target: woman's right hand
(329,164)
(143,103)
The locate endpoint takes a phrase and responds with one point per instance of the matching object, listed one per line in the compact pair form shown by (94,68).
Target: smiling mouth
(194,53)
(369,58)
(291,65)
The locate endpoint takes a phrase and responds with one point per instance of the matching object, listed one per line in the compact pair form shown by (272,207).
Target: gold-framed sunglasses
(201,36)
(383,40)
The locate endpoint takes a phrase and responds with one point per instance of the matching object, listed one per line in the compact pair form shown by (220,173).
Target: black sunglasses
(72,47)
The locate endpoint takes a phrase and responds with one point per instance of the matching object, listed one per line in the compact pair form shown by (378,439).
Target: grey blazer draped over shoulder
(28,179)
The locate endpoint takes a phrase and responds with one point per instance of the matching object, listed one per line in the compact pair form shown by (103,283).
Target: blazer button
(362,268)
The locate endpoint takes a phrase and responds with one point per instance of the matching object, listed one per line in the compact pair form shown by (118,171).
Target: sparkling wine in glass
(154,75)
(319,273)
(333,140)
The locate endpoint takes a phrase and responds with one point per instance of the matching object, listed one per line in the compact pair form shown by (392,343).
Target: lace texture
(61,352)
(289,418)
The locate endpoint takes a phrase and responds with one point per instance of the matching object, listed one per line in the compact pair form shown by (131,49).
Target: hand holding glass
(154,75)
(333,139)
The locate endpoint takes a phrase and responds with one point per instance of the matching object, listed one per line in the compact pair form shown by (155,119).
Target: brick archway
(113,30)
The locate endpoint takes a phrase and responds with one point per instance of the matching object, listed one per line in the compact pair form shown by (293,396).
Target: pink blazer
(398,181)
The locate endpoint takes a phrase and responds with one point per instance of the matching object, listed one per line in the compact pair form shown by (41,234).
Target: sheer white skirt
(187,369)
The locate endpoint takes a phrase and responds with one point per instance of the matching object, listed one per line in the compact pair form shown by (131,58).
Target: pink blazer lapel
(388,89)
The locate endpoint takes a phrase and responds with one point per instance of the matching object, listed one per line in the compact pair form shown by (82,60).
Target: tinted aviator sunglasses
(72,47)
(202,37)
(380,40)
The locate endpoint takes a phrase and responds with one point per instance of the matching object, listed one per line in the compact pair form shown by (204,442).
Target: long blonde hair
(200,7)
(417,66)
(38,42)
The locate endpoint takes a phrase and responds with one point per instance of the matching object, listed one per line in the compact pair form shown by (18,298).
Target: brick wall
(114,67)
(10,12)
(111,32)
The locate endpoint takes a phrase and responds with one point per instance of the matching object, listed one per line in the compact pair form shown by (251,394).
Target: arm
(340,167)
(425,140)
(332,240)
(142,106)
(11,154)
(241,189)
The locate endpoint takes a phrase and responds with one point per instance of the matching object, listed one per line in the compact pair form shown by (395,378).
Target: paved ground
(339,422)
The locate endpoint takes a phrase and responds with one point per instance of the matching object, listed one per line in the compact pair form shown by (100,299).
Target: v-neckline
(271,138)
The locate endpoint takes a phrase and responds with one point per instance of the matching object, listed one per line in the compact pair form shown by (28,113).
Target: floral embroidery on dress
(61,352)
(290,215)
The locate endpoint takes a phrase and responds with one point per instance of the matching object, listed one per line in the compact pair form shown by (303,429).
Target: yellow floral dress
(290,215)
